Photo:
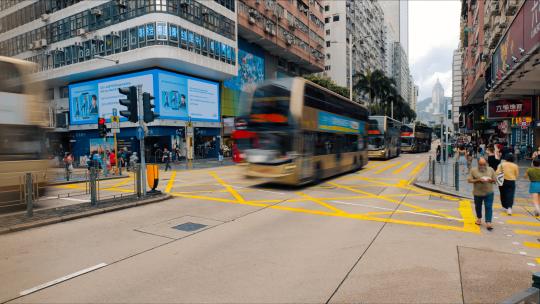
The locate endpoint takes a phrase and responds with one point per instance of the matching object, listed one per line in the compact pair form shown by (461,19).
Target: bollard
(429,170)
(29,195)
(433,163)
(93,186)
(456,176)
(138,181)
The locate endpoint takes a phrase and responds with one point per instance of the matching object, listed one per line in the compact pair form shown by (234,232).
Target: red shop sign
(509,108)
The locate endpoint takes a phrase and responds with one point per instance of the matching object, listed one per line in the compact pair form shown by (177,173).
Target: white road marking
(515,243)
(401,211)
(62,279)
(531,264)
(522,253)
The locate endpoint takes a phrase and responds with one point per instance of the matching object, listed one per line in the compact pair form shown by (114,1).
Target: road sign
(189,131)
(114,112)
(115,123)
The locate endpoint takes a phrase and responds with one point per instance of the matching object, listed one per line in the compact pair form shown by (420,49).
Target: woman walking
(438,153)
(508,189)
(461,157)
(533,174)
(492,159)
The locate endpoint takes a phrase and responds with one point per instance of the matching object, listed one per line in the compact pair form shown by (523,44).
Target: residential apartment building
(400,71)
(356,26)
(275,39)
(396,16)
(85,50)
(456,87)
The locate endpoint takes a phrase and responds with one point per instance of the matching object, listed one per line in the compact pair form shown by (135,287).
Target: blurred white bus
(23,122)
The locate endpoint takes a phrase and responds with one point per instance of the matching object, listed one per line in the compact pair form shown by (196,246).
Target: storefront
(179,99)
(514,119)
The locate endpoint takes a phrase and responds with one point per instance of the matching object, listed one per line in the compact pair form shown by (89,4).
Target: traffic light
(102,127)
(132,113)
(148,114)
(449,114)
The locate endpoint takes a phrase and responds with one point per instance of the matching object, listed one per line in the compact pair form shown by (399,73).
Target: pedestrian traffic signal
(132,113)
(148,114)
(102,127)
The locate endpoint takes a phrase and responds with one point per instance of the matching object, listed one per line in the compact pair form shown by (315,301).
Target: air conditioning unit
(273,32)
(257,2)
(115,34)
(43,43)
(204,12)
(45,17)
(81,32)
(184,3)
(267,29)
(292,25)
(96,11)
(251,20)
(30,46)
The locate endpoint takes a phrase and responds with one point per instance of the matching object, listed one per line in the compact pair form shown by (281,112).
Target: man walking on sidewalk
(166,159)
(482,179)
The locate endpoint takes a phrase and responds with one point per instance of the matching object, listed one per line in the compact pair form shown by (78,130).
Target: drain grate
(189,226)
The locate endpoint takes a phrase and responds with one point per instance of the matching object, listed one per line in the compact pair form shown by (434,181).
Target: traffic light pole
(141,124)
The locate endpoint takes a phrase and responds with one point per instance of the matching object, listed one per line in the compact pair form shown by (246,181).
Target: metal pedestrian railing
(530,295)
(444,173)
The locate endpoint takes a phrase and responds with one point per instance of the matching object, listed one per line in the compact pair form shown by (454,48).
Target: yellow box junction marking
(405,166)
(527,232)
(531,244)
(391,165)
(524,223)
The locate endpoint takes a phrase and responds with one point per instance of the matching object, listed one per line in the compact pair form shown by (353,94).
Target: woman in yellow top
(508,189)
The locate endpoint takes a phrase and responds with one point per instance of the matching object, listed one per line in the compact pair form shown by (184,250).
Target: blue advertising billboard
(177,96)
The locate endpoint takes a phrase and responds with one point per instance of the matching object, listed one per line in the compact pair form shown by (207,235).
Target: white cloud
(433,35)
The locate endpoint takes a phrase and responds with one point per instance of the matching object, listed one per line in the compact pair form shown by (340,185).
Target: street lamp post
(351,43)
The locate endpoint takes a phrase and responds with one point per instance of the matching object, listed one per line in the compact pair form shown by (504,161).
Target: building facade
(356,26)
(400,71)
(499,41)
(456,87)
(396,15)
(173,49)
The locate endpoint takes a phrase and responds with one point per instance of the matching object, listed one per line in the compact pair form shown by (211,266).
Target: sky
(433,36)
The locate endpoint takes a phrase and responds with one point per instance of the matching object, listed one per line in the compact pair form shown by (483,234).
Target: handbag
(500,176)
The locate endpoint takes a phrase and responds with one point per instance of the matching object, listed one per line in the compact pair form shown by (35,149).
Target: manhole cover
(189,226)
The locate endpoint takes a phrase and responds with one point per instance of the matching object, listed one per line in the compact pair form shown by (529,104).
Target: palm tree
(369,83)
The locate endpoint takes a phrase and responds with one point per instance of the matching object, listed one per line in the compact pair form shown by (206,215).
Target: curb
(40,223)
(436,189)
(84,181)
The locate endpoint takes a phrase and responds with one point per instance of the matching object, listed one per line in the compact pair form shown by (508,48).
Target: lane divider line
(62,279)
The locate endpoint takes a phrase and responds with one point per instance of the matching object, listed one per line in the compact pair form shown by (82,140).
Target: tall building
(275,39)
(416,90)
(400,70)
(179,51)
(456,87)
(438,102)
(396,15)
(360,23)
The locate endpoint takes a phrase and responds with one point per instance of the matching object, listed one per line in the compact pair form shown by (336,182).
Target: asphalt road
(368,236)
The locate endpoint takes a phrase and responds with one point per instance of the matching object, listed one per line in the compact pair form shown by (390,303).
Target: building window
(326,8)
(327,68)
(327,43)
(336,18)
(50,93)
(327,20)
(64,92)
(327,56)
(327,32)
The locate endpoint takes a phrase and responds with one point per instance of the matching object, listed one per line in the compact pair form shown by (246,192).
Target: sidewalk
(444,180)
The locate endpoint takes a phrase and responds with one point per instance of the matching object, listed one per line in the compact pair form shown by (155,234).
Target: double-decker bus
(415,138)
(242,140)
(384,137)
(23,122)
(304,132)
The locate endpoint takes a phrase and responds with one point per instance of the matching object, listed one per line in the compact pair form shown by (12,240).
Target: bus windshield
(375,142)
(270,107)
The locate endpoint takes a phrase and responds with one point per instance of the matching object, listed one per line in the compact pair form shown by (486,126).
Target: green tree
(328,83)
(370,83)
